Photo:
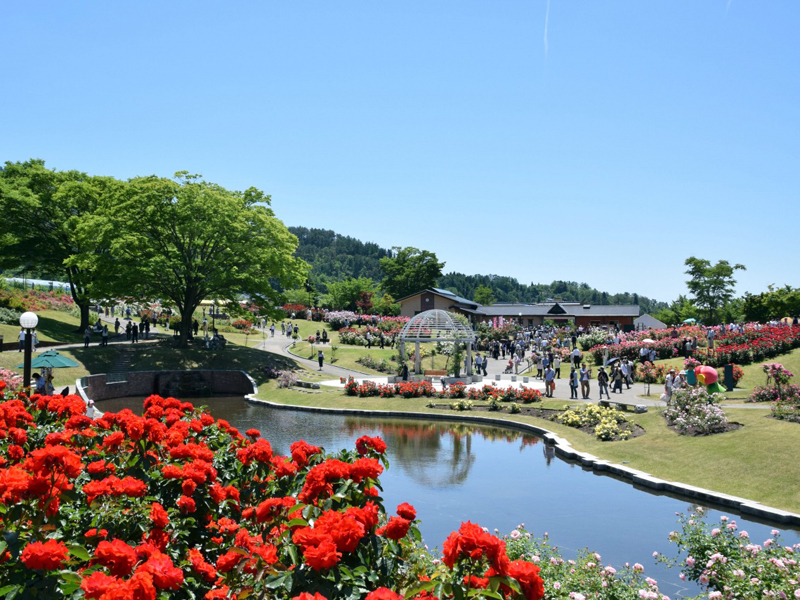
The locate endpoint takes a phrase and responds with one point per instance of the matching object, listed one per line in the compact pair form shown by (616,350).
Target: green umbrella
(51,359)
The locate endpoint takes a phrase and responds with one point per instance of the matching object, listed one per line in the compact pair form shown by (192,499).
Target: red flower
(98,583)
(118,556)
(44,555)
(323,556)
(159,516)
(186,504)
(407,511)
(365,443)
(395,529)
(166,576)
(383,594)
(527,574)
(307,596)
(201,566)
(228,561)
(253,433)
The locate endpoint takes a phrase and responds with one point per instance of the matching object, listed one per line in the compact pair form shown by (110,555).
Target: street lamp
(28,321)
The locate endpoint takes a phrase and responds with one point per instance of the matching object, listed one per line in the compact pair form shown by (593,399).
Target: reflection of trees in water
(421,448)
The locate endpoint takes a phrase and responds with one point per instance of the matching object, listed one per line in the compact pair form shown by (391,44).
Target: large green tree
(184,240)
(484,295)
(773,304)
(409,270)
(343,295)
(711,285)
(42,211)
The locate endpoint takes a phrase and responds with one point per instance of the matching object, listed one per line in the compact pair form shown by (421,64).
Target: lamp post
(213,319)
(28,321)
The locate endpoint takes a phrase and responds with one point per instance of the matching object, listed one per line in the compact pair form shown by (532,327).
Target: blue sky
(596,141)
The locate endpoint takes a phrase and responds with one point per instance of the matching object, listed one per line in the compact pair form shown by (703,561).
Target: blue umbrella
(690,320)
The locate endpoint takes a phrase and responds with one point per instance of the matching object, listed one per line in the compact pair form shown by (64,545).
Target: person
(710,335)
(483,365)
(21,339)
(573,383)
(557,366)
(404,372)
(549,381)
(128,328)
(320,358)
(626,373)
(146,325)
(195,327)
(539,367)
(653,355)
(584,376)
(324,336)
(602,383)
(116,326)
(283,328)
(478,363)
(87,337)
(134,334)
(296,329)
(669,381)
(39,384)
(105,336)
(34,340)
(616,379)
(272,330)
(576,357)
(509,366)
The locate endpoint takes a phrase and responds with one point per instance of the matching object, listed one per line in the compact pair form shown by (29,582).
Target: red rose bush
(175,503)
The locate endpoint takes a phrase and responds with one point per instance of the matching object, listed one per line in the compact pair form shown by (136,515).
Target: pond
(498,478)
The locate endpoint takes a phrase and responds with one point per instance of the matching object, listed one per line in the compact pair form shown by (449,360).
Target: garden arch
(435,326)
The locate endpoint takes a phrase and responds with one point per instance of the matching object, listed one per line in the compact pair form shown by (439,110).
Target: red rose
(407,511)
(44,555)
(395,529)
(159,516)
(118,556)
(365,443)
(383,594)
(323,556)
(186,504)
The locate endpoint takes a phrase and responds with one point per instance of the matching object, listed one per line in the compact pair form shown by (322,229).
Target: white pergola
(435,326)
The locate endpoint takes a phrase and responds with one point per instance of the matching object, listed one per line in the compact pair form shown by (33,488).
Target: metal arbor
(435,326)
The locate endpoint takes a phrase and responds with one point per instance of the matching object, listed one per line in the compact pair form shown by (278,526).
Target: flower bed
(694,411)
(420,389)
(607,424)
(178,504)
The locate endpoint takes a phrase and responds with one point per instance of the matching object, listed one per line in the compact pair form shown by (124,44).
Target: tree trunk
(84,308)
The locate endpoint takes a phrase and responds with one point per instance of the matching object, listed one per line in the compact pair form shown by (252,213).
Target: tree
(364,303)
(387,306)
(483,295)
(409,270)
(711,286)
(344,295)
(42,212)
(186,240)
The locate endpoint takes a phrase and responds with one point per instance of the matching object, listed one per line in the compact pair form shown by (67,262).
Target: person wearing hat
(669,381)
(602,382)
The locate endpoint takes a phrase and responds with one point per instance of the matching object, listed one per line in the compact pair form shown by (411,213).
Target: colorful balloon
(706,375)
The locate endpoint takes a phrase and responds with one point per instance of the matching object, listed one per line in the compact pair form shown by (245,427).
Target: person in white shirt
(669,382)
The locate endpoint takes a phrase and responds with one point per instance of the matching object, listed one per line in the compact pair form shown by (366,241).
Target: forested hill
(508,289)
(335,257)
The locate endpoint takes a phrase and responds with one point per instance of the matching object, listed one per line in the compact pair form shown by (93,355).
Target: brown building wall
(594,320)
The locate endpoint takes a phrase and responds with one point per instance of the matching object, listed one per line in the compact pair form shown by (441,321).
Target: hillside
(335,257)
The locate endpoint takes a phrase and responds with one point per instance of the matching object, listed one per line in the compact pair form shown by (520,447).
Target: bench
(628,406)
(435,373)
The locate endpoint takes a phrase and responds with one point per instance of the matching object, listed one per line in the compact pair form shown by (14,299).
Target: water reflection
(437,455)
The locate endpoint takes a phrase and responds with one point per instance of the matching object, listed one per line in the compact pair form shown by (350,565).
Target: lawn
(346,357)
(753,375)
(54,326)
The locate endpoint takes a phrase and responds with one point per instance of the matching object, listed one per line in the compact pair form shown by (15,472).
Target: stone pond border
(564,450)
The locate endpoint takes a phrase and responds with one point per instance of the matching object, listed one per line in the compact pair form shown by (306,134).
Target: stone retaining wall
(166,383)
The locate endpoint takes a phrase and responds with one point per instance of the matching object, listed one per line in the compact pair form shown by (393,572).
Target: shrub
(695,411)
(9,316)
(608,424)
(242,324)
(178,504)
(723,560)
(462,404)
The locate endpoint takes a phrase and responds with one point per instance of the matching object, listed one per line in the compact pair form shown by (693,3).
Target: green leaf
(78,551)
(422,586)
(71,577)
(9,589)
(297,523)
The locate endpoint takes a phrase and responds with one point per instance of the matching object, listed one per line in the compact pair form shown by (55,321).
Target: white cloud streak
(546,22)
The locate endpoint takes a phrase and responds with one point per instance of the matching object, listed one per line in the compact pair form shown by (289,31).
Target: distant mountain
(335,257)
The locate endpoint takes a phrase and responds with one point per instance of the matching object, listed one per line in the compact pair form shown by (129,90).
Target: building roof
(649,321)
(445,294)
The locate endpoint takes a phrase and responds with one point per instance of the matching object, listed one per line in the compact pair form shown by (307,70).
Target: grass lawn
(54,326)
(753,375)
(346,356)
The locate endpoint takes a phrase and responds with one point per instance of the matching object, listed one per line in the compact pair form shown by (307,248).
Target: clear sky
(597,141)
